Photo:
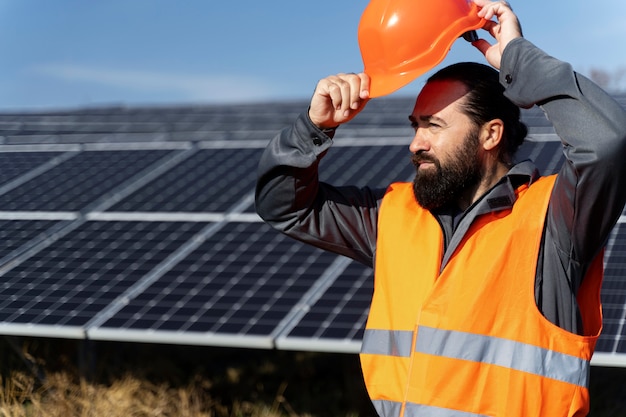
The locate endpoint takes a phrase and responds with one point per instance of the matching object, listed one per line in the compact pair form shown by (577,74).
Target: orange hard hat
(402,39)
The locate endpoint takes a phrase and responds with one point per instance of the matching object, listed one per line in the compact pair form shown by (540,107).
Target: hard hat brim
(384,83)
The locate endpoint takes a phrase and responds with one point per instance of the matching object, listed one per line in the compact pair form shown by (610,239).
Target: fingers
(338,98)
(491,52)
(346,90)
(507,21)
(482,45)
(504,29)
(489,8)
(493,28)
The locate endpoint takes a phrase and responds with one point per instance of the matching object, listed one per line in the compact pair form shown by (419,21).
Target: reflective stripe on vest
(393,409)
(387,408)
(479,348)
(415,410)
(387,342)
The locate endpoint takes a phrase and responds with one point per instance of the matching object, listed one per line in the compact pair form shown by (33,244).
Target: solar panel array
(138,224)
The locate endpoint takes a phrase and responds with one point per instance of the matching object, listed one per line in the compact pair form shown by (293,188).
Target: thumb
(482,45)
(491,53)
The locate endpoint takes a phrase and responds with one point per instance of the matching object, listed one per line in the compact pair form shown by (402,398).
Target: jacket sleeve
(590,190)
(290,197)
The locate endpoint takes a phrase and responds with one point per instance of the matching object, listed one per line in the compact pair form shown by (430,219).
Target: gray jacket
(587,200)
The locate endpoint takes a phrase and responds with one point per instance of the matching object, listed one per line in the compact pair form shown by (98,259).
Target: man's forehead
(439,96)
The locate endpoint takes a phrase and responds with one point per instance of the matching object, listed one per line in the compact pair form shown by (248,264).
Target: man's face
(446,146)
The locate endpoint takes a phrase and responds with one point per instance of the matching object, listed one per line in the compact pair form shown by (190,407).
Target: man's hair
(486,101)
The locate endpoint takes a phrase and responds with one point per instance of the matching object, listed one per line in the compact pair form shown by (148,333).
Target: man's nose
(419,142)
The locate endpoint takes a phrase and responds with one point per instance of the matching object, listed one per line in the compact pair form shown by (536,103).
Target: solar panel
(547,154)
(375,166)
(15,164)
(211,180)
(235,288)
(614,294)
(79,181)
(15,234)
(138,225)
(74,277)
(336,318)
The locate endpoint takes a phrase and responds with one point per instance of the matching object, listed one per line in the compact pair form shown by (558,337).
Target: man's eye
(433,125)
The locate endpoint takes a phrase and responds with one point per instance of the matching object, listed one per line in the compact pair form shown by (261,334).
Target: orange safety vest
(469,340)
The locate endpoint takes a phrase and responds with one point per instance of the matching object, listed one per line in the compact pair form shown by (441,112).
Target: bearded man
(487,275)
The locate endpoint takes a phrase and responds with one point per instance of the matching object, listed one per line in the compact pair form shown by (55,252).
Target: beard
(445,183)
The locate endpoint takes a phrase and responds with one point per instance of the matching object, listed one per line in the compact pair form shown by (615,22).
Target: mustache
(421,157)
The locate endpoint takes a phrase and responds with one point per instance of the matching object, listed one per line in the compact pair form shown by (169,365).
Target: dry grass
(61,396)
(134,380)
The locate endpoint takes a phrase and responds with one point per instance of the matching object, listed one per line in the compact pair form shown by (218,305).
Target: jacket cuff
(314,138)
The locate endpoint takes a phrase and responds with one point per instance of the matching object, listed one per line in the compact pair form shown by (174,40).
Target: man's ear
(491,134)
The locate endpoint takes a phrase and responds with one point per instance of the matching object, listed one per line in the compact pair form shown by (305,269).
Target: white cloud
(208,88)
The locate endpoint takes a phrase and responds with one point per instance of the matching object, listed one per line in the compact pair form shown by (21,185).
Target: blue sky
(75,53)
